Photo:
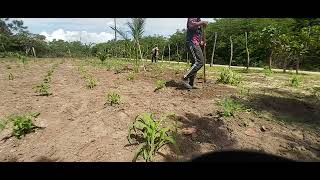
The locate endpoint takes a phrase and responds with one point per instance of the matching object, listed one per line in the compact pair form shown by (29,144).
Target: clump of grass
(153,136)
(295,81)
(113,98)
(10,76)
(227,76)
(267,71)
(229,106)
(130,76)
(160,84)
(21,124)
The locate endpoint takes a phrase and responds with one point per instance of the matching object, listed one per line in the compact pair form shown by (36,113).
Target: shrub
(227,76)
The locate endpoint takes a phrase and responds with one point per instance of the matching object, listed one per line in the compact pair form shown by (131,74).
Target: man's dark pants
(196,62)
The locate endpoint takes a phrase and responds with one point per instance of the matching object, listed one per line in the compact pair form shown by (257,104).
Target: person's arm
(194,24)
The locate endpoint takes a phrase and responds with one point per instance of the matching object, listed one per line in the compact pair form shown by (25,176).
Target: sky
(97,30)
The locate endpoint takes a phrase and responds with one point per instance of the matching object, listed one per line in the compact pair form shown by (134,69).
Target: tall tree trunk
(162,53)
(297,65)
(231,52)
(178,53)
(270,59)
(34,52)
(284,64)
(248,55)
(139,50)
(214,47)
(169,52)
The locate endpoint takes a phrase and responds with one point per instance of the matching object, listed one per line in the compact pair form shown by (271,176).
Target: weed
(229,106)
(295,81)
(154,136)
(113,98)
(227,76)
(267,71)
(21,124)
(160,84)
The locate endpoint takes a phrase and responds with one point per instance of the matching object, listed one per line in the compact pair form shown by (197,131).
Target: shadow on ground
(286,108)
(211,135)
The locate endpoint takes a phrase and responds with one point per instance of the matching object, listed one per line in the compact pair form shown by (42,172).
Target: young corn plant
(153,136)
(90,82)
(42,89)
(21,124)
(113,98)
(229,107)
(227,76)
(130,76)
(295,81)
(160,84)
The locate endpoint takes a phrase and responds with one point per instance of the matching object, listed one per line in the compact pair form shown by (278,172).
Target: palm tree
(136,27)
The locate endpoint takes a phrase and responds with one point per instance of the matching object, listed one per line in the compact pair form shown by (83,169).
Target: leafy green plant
(295,81)
(229,106)
(90,82)
(160,84)
(267,71)
(21,124)
(153,136)
(21,58)
(113,98)
(42,89)
(10,76)
(130,76)
(227,76)
(102,56)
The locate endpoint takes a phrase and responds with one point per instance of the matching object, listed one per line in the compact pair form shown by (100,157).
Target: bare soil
(79,127)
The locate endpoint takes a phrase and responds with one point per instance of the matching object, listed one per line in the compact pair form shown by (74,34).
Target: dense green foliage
(287,43)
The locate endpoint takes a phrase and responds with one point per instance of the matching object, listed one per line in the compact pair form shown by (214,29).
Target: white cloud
(86,37)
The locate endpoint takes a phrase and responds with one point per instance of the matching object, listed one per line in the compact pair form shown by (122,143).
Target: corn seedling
(229,106)
(21,124)
(113,98)
(42,89)
(10,76)
(130,76)
(295,81)
(90,82)
(154,136)
(227,76)
(160,84)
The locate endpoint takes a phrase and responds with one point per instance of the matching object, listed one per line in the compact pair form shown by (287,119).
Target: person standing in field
(194,42)
(155,54)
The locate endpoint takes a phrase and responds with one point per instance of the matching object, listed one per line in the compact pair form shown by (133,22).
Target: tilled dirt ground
(79,127)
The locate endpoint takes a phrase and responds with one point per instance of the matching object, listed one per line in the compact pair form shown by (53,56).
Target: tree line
(256,42)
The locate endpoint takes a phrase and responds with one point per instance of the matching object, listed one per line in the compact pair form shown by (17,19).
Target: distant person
(155,54)
(194,41)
